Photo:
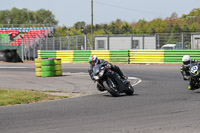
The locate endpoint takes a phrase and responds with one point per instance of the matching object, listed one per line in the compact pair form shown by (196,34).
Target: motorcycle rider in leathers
(93,60)
(185,70)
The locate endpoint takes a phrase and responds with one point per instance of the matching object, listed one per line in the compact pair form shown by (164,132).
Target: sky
(68,12)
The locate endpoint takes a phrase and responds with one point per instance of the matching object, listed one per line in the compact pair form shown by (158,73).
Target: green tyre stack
(38,65)
(48,68)
(57,68)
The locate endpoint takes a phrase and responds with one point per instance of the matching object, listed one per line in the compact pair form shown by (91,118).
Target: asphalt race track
(161,104)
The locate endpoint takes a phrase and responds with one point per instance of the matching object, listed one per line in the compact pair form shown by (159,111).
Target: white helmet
(186,59)
(93,60)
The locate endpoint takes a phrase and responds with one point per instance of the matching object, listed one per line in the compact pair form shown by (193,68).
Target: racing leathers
(185,70)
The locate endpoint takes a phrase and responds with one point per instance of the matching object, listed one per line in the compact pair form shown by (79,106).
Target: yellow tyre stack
(57,68)
(48,68)
(38,65)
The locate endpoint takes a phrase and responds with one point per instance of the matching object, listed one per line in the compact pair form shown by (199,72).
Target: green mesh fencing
(175,56)
(81,56)
(4,38)
(119,56)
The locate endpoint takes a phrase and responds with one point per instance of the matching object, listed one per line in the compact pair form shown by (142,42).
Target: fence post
(33,46)
(76,39)
(29,51)
(155,37)
(182,40)
(85,41)
(59,40)
(108,43)
(39,41)
(53,43)
(22,48)
(45,40)
(143,41)
(68,40)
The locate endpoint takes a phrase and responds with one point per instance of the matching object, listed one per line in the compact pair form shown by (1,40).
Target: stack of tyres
(48,68)
(58,68)
(38,65)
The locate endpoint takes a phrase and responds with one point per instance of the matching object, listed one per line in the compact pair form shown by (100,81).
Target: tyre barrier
(57,67)
(48,67)
(38,69)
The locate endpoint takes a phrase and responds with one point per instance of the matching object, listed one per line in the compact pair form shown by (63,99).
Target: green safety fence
(119,56)
(46,54)
(81,56)
(175,56)
(4,38)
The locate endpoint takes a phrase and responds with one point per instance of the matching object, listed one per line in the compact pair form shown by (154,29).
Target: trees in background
(187,22)
(171,25)
(24,16)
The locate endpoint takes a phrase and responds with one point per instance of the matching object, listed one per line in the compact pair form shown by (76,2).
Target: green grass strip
(19,96)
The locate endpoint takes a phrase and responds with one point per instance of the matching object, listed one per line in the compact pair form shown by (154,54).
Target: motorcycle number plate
(193,69)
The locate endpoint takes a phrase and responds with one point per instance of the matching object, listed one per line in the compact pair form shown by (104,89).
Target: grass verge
(20,96)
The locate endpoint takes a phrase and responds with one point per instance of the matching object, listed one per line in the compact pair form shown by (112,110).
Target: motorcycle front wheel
(130,90)
(109,86)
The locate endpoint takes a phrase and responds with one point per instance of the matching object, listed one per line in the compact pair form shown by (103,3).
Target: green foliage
(24,16)
(194,13)
(79,25)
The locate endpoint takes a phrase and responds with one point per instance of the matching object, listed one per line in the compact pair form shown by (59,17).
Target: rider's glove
(92,78)
(108,65)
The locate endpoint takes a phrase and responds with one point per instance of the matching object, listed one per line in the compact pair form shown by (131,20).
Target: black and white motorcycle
(194,76)
(111,81)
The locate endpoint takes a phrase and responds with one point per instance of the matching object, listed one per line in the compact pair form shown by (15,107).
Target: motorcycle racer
(93,60)
(185,70)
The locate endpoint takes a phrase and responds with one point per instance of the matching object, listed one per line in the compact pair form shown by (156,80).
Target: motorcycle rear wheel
(112,90)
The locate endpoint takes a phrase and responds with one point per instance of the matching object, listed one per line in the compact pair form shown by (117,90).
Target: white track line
(13,67)
(139,80)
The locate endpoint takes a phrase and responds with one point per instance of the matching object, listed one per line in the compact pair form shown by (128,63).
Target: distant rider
(93,60)
(185,70)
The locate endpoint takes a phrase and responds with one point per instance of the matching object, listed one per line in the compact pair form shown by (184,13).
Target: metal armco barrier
(46,54)
(102,54)
(121,56)
(81,56)
(146,56)
(65,56)
(175,56)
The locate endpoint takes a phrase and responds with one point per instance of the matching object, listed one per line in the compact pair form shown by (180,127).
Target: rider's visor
(92,63)
(186,62)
